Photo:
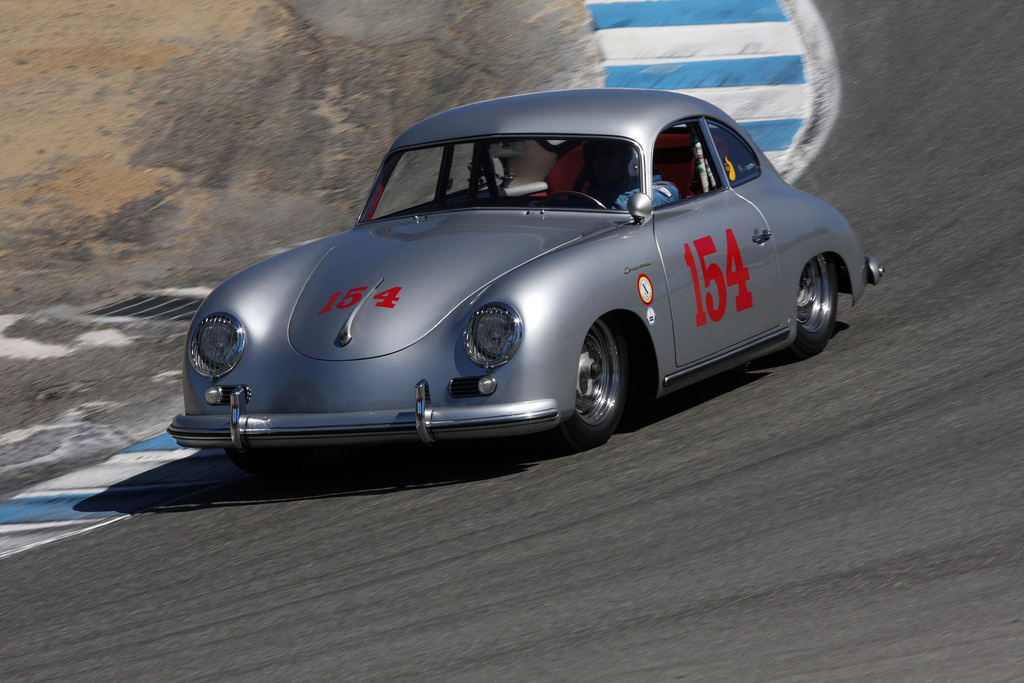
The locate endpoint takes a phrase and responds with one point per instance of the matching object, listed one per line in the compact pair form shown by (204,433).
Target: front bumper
(242,431)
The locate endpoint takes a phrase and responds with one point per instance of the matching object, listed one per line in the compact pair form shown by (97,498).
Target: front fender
(561,295)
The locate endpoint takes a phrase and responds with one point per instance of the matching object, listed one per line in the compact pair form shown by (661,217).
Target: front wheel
(601,376)
(816,302)
(270,462)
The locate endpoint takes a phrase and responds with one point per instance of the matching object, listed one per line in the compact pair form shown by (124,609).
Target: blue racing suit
(617,196)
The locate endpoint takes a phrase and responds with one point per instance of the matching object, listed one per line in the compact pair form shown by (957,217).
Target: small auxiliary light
(487,385)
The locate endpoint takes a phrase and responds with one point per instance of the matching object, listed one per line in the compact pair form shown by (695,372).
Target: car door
(720,263)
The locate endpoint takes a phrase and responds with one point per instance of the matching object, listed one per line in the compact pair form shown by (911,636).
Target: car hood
(387,286)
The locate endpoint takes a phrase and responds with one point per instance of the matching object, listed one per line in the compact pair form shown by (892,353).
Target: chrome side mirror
(640,207)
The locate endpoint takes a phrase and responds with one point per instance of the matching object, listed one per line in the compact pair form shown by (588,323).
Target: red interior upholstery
(673,161)
(564,173)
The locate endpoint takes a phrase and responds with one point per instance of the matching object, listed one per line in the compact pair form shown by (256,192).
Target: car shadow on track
(374,471)
(641,414)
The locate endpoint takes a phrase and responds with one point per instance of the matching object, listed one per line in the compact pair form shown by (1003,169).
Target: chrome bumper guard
(242,431)
(875,270)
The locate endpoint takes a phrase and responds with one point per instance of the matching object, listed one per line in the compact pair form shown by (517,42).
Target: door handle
(762,237)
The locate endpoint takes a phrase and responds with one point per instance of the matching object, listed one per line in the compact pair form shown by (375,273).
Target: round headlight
(216,345)
(493,335)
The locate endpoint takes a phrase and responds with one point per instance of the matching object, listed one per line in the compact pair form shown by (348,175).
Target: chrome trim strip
(407,427)
(538,417)
(334,429)
(758,343)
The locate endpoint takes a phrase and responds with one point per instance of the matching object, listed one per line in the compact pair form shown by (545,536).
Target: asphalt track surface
(856,516)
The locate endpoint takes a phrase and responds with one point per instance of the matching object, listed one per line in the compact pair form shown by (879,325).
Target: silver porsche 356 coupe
(521,264)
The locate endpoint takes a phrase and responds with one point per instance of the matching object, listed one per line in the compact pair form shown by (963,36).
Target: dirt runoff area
(150,145)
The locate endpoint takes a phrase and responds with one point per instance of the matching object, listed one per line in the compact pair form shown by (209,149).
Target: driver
(611,172)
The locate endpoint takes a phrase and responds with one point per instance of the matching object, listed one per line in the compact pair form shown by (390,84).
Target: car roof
(633,113)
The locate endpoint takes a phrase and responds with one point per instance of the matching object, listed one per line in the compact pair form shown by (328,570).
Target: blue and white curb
(767,63)
(151,473)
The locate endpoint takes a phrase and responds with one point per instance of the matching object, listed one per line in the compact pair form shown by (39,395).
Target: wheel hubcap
(598,374)
(813,305)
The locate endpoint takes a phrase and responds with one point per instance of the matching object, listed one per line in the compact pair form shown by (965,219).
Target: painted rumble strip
(138,478)
(746,56)
(673,12)
(712,73)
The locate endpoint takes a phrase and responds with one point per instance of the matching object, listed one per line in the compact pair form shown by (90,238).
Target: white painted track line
(650,43)
(758,102)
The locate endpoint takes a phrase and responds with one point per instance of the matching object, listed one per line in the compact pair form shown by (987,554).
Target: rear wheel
(270,462)
(816,301)
(601,378)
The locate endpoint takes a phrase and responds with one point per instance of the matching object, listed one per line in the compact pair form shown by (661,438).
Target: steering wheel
(573,193)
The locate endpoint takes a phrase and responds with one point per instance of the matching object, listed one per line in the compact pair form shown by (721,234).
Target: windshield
(591,173)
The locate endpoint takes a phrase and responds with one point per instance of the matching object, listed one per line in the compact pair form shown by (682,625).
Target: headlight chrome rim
(503,325)
(216,345)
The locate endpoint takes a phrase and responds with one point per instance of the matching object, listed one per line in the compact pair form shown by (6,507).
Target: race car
(520,265)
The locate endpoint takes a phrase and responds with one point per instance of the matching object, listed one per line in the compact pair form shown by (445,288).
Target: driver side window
(682,158)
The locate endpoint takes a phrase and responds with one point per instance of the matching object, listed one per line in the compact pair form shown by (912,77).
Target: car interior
(523,172)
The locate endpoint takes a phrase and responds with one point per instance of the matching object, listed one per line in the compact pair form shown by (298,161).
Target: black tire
(270,462)
(601,382)
(816,302)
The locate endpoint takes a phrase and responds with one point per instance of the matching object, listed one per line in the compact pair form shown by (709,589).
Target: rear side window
(739,160)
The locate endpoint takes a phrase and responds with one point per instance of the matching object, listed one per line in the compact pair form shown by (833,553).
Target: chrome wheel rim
(813,304)
(598,375)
